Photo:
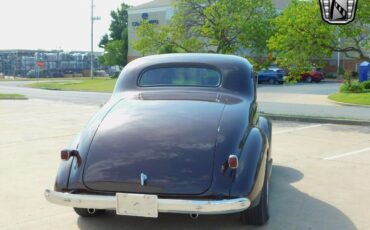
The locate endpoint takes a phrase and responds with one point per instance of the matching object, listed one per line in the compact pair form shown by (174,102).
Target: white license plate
(137,205)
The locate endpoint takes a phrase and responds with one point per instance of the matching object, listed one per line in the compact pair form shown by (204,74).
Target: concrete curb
(16,99)
(348,104)
(330,120)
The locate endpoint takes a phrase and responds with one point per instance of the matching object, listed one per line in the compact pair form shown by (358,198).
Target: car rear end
(318,75)
(280,75)
(171,143)
(157,152)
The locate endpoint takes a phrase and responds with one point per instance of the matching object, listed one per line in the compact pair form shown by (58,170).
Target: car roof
(236,71)
(216,60)
(275,68)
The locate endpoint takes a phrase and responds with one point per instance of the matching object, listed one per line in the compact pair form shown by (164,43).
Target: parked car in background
(271,75)
(101,73)
(36,73)
(180,134)
(316,75)
(114,70)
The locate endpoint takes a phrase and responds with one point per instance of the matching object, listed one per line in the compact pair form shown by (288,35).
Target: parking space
(319,180)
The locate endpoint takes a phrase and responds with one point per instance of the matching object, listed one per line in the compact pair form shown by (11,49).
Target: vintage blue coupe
(180,134)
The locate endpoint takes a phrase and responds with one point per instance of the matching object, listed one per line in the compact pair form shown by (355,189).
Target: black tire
(259,214)
(84,212)
(309,79)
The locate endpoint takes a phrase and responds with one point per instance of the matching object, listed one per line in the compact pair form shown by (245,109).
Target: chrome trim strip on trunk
(164,205)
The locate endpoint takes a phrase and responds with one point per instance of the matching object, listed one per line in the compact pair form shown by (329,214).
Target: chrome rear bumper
(164,205)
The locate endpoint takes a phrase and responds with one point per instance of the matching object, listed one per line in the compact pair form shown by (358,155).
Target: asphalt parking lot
(320,176)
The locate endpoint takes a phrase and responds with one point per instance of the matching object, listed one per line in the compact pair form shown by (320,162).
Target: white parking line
(347,154)
(296,129)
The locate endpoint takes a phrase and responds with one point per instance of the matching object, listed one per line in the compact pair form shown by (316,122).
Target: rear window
(181,76)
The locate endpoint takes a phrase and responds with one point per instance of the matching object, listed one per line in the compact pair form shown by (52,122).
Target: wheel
(309,79)
(89,212)
(271,81)
(259,214)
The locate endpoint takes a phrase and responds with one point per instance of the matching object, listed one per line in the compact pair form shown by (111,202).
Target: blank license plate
(137,205)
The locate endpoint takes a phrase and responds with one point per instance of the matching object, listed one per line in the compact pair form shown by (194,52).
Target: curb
(329,120)
(14,99)
(348,104)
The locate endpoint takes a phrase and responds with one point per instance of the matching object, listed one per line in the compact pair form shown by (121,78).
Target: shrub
(352,87)
(115,75)
(348,77)
(366,84)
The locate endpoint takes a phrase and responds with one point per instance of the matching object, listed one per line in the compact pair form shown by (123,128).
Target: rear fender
(61,181)
(69,172)
(265,125)
(249,176)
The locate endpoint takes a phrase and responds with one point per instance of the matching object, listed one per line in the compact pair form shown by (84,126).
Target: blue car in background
(271,75)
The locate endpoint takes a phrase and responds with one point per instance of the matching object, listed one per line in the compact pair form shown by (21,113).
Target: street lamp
(92,39)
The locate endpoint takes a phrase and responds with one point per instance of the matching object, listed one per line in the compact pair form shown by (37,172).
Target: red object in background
(314,76)
(40,64)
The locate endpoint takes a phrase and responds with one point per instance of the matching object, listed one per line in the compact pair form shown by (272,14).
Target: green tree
(104,41)
(116,43)
(221,26)
(113,54)
(302,37)
(356,35)
(119,22)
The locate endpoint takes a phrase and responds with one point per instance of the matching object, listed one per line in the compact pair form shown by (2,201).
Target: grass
(47,78)
(96,85)
(352,98)
(4,96)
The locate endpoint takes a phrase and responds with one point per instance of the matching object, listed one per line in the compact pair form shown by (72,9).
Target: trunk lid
(172,142)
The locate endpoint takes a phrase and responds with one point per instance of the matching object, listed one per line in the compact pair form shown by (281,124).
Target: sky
(54,24)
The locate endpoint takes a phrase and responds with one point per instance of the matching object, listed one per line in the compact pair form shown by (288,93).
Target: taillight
(233,162)
(65,154)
